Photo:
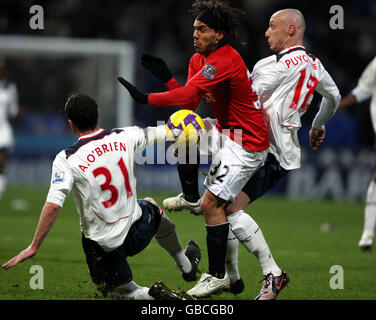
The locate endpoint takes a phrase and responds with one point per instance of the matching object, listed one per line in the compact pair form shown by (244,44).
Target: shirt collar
(91,135)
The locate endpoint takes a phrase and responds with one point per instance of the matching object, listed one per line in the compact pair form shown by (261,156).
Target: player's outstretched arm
(136,94)
(178,96)
(347,101)
(156,66)
(48,216)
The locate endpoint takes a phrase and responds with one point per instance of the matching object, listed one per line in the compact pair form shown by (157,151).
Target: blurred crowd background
(164,28)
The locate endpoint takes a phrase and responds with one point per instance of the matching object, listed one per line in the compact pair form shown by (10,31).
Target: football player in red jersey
(218,71)
(277,79)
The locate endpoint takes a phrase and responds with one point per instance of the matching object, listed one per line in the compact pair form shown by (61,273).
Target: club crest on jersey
(58,177)
(209,71)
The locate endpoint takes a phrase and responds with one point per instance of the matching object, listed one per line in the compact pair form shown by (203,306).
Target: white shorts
(232,165)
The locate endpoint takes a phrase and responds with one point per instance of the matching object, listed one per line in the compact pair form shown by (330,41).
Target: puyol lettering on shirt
(301,58)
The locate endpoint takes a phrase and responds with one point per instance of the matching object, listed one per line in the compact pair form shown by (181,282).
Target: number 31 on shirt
(110,187)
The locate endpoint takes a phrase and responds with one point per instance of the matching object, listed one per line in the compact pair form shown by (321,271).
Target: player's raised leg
(187,259)
(188,166)
(190,198)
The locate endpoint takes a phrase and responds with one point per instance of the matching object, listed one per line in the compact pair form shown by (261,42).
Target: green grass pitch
(292,230)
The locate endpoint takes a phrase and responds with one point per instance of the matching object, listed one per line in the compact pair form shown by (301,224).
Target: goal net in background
(46,70)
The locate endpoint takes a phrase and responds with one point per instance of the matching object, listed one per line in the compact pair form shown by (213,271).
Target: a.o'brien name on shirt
(99,151)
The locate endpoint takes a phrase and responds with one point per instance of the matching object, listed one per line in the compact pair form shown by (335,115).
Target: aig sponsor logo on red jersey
(209,71)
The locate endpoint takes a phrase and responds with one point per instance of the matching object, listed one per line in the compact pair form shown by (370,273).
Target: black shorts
(111,269)
(265,178)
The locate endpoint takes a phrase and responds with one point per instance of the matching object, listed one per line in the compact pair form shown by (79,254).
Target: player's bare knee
(230,209)
(241,202)
(234,207)
(207,204)
(210,201)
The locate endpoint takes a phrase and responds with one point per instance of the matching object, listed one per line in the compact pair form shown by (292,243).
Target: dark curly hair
(226,16)
(82,110)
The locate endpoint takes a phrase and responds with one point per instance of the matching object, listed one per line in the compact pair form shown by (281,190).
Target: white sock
(130,290)
(250,235)
(232,257)
(370,211)
(168,239)
(3,183)
(137,292)
(141,293)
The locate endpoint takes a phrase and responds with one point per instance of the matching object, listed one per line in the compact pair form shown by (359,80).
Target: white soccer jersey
(100,170)
(367,87)
(8,108)
(285,83)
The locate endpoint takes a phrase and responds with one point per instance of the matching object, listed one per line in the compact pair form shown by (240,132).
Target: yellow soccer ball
(185,127)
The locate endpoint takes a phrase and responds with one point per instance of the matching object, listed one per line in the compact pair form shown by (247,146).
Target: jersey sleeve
(61,180)
(366,82)
(327,109)
(192,105)
(144,137)
(331,98)
(178,96)
(174,84)
(212,73)
(326,85)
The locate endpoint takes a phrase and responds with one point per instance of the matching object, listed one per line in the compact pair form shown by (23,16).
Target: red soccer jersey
(221,78)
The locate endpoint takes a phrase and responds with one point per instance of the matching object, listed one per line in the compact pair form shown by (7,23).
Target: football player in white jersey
(8,109)
(100,170)
(285,83)
(365,89)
